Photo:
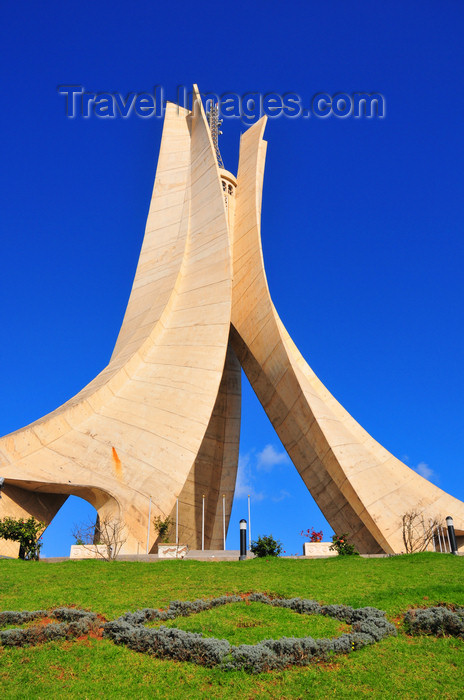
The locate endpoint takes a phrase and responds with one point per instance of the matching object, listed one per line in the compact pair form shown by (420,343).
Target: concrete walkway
(193,554)
(210,555)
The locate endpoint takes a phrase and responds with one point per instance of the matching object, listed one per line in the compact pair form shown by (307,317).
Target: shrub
(162,527)
(72,623)
(439,621)
(106,531)
(266,546)
(27,532)
(369,625)
(341,545)
(12,617)
(418,534)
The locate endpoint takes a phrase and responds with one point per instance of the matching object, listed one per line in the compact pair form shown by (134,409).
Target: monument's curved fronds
(161,422)
(145,424)
(360,487)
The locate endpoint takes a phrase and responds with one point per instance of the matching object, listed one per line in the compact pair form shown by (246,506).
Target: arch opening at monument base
(160,425)
(75,523)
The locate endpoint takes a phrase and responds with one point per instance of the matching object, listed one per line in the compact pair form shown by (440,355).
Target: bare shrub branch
(419,532)
(107,531)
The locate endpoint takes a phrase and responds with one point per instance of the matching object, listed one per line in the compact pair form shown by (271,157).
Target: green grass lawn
(406,667)
(248,623)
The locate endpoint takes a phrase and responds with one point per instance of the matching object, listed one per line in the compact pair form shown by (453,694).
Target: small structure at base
(318,549)
(172,551)
(89,551)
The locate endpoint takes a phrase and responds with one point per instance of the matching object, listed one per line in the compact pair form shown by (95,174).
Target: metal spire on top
(214,126)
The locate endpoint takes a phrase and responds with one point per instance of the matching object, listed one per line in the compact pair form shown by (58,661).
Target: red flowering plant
(311,535)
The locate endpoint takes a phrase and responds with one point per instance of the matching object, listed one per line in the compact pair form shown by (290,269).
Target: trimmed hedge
(71,623)
(439,621)
(369,625)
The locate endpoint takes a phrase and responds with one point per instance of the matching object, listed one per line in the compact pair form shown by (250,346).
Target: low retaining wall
(318,549)
(172,551)
(88,551)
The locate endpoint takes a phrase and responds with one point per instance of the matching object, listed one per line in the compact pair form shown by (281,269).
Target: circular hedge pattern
(369,625)
(71,623)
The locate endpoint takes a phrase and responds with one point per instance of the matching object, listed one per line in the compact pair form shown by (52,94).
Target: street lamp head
(449,521)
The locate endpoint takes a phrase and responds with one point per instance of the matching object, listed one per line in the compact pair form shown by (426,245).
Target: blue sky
(362,219)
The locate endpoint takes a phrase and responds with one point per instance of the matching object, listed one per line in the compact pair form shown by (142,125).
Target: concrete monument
(161,422)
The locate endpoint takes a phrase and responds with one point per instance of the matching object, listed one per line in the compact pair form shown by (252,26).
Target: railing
(441,540)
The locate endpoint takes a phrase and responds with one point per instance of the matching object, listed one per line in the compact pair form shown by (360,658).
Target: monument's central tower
(161,423)
(228,180)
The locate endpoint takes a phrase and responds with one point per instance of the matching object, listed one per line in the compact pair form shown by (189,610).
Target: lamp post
(2,482)
(452,535)
(243,545)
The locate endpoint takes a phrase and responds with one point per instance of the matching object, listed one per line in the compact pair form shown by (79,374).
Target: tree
(27,532)
(417,534)
(107,531)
